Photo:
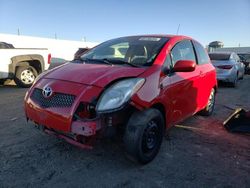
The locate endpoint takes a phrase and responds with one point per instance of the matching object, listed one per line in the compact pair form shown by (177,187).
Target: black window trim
(196,53)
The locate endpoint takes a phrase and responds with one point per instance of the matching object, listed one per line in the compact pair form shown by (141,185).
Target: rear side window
(183,51)
(202,55)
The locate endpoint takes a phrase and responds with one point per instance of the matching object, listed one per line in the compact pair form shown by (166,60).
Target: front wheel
(208,110)
(2,82)
(25,76)
(143,135)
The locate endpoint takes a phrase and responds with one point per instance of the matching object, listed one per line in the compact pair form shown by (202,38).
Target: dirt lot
(204,157)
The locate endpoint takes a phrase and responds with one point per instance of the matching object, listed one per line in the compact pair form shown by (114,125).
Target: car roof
(162,35)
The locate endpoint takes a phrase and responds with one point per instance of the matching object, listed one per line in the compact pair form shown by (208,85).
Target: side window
(201,53)
(183,51)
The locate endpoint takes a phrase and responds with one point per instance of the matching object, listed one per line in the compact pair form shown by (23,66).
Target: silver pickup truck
(22,64)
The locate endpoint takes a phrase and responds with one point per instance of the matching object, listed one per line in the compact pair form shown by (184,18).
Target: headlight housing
(118,94)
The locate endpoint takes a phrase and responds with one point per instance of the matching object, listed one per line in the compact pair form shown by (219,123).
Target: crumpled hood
(93,74)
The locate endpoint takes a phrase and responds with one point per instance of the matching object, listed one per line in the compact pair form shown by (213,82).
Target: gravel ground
(206,156)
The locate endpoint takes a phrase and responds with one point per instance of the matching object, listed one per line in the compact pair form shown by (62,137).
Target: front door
(184,85)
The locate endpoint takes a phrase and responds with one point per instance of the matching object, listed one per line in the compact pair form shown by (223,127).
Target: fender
(25,60)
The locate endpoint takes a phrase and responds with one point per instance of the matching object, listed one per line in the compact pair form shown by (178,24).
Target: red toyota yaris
(136,86)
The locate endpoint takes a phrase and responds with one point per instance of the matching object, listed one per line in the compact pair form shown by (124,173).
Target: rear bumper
(226,77)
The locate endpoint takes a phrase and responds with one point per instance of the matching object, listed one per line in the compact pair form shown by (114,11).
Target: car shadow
(8,86)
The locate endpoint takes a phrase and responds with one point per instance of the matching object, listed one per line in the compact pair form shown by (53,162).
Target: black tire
(25,76)
(208,110)
(143,135)
(235,82)
(2,82)
(241,78)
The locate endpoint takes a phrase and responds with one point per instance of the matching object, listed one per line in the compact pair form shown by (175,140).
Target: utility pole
(55,36)
(178,29)
(18,31)
(84,39)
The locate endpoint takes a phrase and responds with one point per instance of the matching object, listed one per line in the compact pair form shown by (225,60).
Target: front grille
(56,100)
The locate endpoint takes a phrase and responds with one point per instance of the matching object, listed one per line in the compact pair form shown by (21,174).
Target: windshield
(135,50)
(219,56)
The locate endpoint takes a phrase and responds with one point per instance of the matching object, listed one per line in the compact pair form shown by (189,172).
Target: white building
(234,49)
(63,49)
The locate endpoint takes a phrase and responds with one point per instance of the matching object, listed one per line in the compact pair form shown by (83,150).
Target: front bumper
(83,133)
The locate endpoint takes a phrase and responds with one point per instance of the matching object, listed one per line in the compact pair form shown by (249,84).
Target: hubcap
(150,137)
(27,76)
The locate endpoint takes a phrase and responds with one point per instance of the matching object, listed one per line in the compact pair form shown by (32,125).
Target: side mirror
(184,66)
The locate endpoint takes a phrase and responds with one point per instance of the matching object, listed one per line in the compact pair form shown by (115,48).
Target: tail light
(225,66)
(49,58)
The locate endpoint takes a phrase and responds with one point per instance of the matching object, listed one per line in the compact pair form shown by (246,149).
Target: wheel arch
(35,61)
(161,108)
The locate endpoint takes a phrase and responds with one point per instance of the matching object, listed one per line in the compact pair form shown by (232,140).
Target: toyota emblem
(47,92)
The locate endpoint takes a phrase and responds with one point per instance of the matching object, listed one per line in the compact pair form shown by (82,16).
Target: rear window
(219,56)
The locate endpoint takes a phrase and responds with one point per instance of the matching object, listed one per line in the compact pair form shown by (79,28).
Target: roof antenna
(178,29)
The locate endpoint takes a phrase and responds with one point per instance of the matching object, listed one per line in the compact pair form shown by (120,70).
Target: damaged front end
(71,113)
(85,131)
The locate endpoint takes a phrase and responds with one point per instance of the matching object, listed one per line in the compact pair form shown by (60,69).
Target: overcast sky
(96,21)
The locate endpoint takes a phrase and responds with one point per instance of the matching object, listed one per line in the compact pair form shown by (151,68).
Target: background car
(5,45)
(79,53)
(228,66)
(22,65)
(245,58)
(55,62)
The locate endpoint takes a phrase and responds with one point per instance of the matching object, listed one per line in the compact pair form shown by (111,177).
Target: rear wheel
(143,135)
(208,110)
(235,82)
(242,77)
(25,76)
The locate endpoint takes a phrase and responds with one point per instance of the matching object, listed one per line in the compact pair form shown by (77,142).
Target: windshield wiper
(118,61)
(105,61)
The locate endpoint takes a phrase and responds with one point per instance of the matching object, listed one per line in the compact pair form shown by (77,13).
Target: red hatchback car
(136,86)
